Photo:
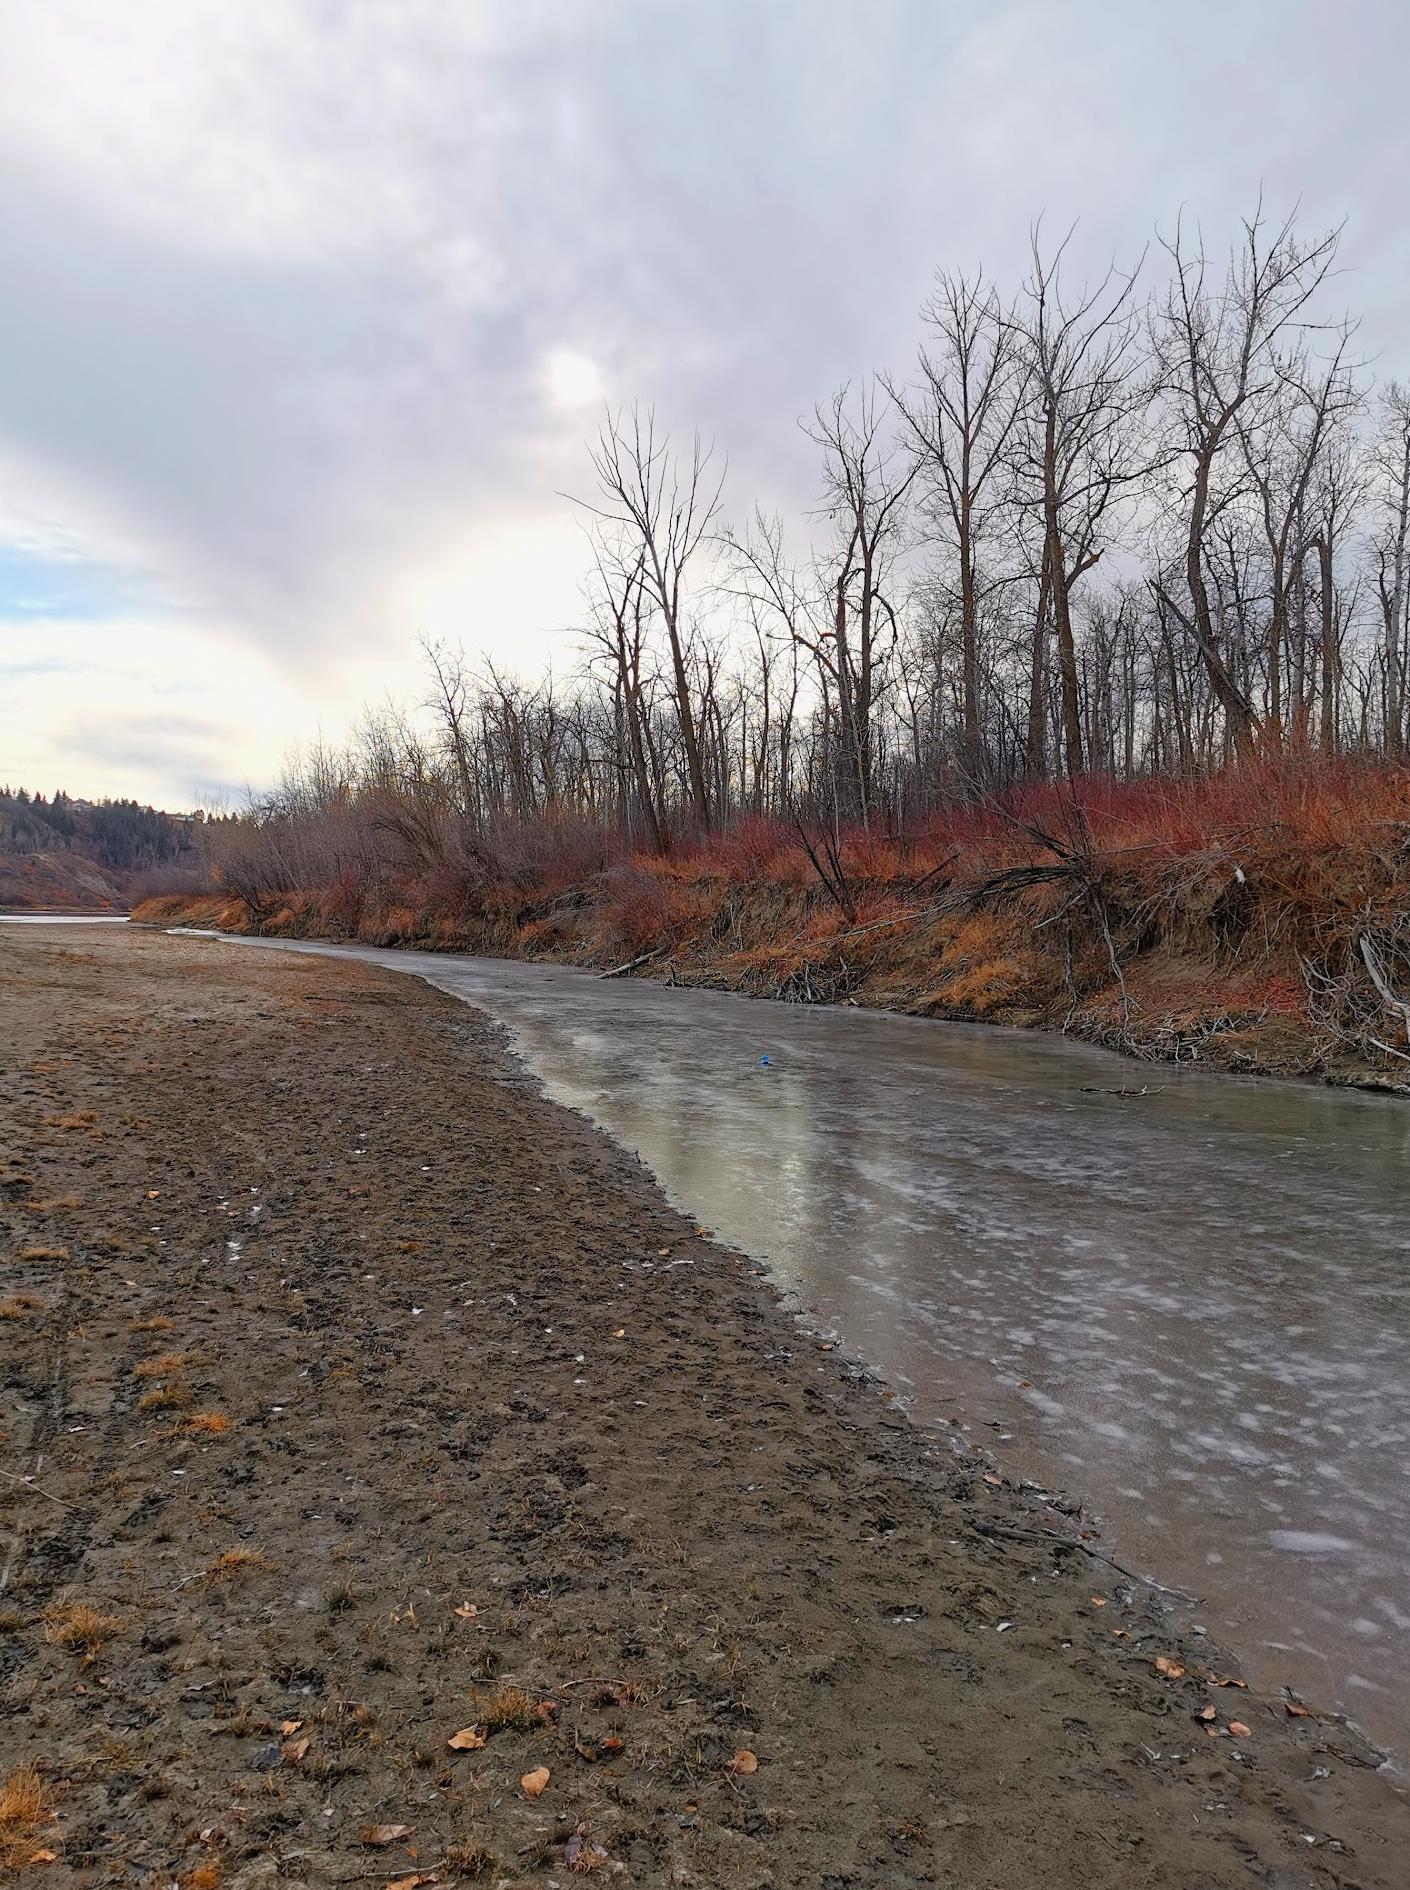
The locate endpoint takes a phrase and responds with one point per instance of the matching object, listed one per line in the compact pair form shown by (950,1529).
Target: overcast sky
(307,305)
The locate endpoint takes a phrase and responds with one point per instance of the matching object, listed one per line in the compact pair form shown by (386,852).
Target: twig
(1072,1542)
(29,1483)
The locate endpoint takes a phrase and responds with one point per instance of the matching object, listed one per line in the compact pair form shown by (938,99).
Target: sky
(308,306)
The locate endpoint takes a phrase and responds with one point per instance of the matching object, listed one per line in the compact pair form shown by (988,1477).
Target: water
(63,918)
(1189,1307)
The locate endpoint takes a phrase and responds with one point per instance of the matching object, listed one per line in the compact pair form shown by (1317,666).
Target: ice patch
(1308,1542)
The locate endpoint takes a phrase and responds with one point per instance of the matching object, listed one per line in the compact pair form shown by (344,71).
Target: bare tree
(1082,447)
(1391,542)
(961,416)
(1284,440)
(1217,352)
(865,487)
(449,702)
(666,512)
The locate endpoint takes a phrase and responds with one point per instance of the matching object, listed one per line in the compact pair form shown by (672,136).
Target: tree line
(1150,523)
(121,835)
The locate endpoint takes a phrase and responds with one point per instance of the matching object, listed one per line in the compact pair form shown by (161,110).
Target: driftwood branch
(1394,1003)
(632,964)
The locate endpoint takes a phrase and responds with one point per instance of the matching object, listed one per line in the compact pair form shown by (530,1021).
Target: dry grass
(158,1324)
(79,1627)
(44,1253)
(53,1204)
(172,1397)
(162,1366)
(468,1860)
(231,1564)
(205,1423)
(26,1806)
(506,1707)
(19,1306)
(77,1119)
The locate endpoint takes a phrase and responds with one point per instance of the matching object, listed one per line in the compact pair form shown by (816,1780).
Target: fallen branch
(643,958)
(1384,991)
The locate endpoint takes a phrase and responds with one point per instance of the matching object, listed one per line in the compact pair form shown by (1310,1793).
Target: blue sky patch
(34,586)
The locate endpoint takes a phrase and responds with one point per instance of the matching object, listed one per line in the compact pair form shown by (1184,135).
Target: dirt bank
(359,1399)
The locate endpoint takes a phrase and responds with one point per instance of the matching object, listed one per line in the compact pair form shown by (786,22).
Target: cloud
(310,305)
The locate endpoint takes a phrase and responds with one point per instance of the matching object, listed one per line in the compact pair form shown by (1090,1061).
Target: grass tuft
(26,1805)
(507,1707)
(172,1397)
(233,1563)
(161,1367)
(79,1627)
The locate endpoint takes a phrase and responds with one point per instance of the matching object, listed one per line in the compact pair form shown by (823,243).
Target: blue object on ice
(763,1063)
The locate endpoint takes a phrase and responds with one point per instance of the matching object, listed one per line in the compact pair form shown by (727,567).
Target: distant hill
(62,854)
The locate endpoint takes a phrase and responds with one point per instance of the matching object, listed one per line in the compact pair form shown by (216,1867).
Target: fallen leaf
(468,1739)
(1296,1710)
(1097,1601)
(532,1783)
(1206,1713)
(611,1744)
(1170,1668)
(661,1252)
(294,1749)
(383,1833)
(545,1711)
(743,1763)
(412,1882)
(43,1857)
(287,1726)
(1239,1730)
(154,1194)
(989,1477)
(620,1333)
(1216,1681)
(467,1611)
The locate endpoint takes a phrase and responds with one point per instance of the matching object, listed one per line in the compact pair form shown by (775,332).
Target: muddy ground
(355,1397)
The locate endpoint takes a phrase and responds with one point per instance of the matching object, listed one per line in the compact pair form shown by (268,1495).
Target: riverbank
(1254,922)
(370,1400)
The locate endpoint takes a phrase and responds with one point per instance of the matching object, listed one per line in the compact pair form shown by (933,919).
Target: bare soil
(355,1397)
